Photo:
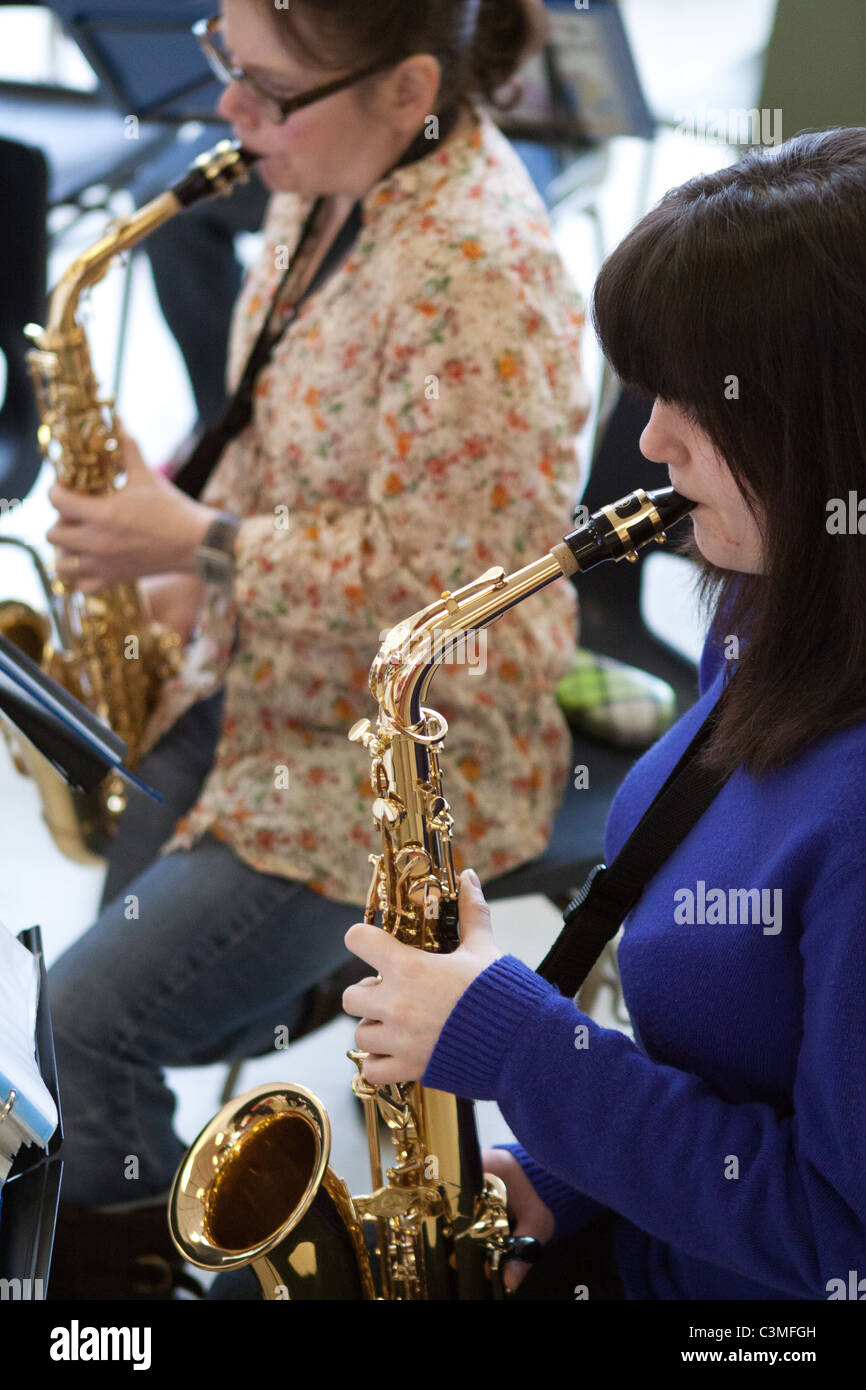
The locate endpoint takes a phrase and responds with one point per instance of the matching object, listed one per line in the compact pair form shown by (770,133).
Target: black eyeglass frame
(205,31)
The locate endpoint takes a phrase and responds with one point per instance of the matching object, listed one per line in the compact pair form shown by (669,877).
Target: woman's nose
(236,105)
(662,439)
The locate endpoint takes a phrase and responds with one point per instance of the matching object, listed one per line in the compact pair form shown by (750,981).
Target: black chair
(57,149)
(71,149)
(23,193)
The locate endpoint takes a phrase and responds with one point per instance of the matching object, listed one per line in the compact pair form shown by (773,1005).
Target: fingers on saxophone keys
(68,565)
(59,496)
(368,1037)
(73,506)
(366,942)
(60,535)
(381,1070)
(73,569)
(357,999)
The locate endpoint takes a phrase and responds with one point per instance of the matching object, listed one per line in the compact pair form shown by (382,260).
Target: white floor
(686,49)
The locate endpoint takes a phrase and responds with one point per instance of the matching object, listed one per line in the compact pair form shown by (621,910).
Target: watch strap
(215,560)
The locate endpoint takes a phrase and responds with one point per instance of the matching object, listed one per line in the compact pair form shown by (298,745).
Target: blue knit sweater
(730,1136)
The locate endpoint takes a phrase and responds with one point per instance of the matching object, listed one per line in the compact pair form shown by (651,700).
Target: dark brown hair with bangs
(758,272)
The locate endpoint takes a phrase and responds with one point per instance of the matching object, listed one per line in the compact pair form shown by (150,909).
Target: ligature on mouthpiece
(619,530)
(217,171)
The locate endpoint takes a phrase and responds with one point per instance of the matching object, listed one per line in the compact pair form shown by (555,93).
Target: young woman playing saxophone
(722,1153)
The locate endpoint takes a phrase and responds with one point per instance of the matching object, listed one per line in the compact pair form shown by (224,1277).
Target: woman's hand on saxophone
(146,527)
(174,600)
(405,1009)
(529,1216)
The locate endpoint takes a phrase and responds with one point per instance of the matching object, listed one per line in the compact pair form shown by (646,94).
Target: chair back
(24,194)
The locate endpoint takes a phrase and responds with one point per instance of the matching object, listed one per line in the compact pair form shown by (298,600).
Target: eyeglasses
(274,109)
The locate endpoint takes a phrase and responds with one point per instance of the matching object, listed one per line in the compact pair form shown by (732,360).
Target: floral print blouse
(415,426)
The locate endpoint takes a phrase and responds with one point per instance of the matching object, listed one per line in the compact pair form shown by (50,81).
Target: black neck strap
(595,915)
(238,411)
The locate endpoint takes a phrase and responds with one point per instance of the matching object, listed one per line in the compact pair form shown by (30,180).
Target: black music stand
(578,94)
(584,87)
(83,750)
(147,62)
(149,67)
(31,1192)
(81,747)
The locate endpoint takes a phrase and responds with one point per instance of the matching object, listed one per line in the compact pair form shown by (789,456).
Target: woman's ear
(411,91)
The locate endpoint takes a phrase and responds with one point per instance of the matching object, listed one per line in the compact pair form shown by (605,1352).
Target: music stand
(31,1192)
(83,750)
(575,96)
(147,62)
(584,87)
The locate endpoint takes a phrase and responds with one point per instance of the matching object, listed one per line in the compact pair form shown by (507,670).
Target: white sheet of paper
(34,1110)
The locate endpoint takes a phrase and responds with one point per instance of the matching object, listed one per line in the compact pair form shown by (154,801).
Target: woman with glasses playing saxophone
(722,1153)
(415,422)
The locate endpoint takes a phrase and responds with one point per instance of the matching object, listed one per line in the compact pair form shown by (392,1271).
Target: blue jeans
(218,957)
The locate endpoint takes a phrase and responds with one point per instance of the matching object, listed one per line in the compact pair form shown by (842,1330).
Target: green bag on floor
(616,703)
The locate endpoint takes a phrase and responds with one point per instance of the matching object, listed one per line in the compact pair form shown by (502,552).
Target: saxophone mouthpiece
(618,531)
(671,505)
(247,157)
(217,171)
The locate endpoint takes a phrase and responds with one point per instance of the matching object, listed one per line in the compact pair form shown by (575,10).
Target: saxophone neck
(93,264)
(411,652)
(218,171)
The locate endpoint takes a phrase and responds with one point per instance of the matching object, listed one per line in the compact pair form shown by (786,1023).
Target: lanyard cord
(238,411)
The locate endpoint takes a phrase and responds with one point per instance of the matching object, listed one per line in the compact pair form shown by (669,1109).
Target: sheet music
(595,65)
(33,1116)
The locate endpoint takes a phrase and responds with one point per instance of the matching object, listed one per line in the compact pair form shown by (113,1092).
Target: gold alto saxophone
(255,1187)
(102,648)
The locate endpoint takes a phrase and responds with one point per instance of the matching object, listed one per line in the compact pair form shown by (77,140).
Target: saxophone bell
(255,1190)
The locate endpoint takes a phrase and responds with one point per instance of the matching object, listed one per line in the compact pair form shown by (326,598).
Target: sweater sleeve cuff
(467,1060)
(571,1209)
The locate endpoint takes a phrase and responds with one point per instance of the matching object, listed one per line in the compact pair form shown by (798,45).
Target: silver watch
(214,557)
